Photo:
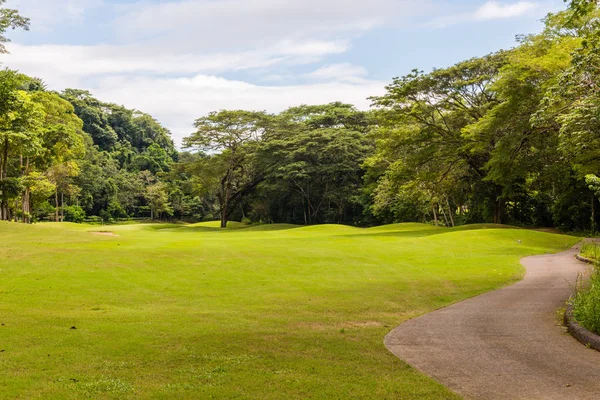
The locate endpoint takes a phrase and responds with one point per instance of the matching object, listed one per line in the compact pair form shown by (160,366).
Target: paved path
(506,344)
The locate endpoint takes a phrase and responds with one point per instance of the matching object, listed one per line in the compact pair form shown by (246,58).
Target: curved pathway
(506,344)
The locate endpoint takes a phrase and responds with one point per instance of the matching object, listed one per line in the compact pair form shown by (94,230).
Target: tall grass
(586,301)
(590,250)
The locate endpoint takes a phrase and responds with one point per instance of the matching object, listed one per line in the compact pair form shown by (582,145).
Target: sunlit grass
(266,312)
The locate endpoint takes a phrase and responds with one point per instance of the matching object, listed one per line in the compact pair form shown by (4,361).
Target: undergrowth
(590,250)
(586,301)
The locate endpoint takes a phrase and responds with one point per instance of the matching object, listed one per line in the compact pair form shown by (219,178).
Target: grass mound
(264,312)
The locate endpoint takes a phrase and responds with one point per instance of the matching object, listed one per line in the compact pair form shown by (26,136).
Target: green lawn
(269,312)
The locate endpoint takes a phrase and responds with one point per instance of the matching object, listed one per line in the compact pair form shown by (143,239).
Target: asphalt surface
(506,344)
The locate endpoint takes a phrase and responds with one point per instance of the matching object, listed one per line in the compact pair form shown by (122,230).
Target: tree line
(512,137)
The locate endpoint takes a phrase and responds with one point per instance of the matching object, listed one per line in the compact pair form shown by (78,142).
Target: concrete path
(506,344)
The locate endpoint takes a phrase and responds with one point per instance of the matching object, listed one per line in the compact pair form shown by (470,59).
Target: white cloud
(209,24)
(343,72)
(48,14)
(161,84)
(72,62)
(177,102)
(494,10)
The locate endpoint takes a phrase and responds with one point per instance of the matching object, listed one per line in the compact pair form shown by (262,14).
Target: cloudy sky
(180,59)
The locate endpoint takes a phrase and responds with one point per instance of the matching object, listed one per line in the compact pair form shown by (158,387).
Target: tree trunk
(435,217)
(4,171)
(56,205)
(593,215)
(224,216)
(26,207)
(450,211)
(499,211)
(62,207)
(224,200)
(445,217)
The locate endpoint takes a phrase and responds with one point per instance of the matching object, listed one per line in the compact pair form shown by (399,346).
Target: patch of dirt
(345,325)
(104,233)
(365,324)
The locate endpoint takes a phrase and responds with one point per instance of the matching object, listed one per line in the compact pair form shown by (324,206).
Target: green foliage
(158,200)
(586,301)
(74,214)
(506,138)
(10,19)
(234,170)
(590,250)
(316,164)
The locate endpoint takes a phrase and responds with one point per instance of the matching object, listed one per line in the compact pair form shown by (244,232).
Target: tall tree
(232,136)
(420,130)
(10,19)
(21,121)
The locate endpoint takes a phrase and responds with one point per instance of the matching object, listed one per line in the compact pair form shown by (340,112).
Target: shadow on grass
(430,231)
(394,230)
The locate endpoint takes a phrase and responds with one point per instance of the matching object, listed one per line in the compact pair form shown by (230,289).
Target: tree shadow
(429,232)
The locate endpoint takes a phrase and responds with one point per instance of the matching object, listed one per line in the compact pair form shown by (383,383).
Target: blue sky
(180,59)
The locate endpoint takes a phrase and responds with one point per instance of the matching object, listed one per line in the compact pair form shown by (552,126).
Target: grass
(590,250)
(267,312)
(586,301)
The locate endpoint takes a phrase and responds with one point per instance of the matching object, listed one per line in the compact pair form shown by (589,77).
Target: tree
(61,175)
(95,119)
(234,135)
(20,125)
(62,144)
(158,200)
(420,133)
(10,19)
(315,158)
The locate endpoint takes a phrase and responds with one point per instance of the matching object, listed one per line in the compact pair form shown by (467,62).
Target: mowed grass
(267,312)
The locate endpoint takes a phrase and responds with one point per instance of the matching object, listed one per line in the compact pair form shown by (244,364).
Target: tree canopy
(510,137)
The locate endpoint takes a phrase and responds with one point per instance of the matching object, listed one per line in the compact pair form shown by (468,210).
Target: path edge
(580,333)
(583,259)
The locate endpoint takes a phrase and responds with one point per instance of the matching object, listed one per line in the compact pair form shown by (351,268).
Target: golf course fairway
(267,312)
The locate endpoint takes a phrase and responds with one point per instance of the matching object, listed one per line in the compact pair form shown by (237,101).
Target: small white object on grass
(518,241)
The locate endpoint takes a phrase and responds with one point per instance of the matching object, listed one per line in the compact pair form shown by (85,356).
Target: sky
(178,60)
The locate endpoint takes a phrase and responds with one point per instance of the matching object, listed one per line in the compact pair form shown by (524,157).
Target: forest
(512,137)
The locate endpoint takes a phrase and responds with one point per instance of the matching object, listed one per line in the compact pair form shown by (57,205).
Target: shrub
(74,214)
(43,212)
(590,250)
(586,301)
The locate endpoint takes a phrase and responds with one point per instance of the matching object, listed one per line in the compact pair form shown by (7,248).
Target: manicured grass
(267,312)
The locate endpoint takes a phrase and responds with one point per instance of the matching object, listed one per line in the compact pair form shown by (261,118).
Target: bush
(246,221)
(74,214)
(590,250)
(43,212)
(586,301)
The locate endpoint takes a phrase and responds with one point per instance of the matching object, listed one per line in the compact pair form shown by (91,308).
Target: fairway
(265,312)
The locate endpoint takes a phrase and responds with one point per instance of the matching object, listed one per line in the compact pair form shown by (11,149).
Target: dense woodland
(512,137)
